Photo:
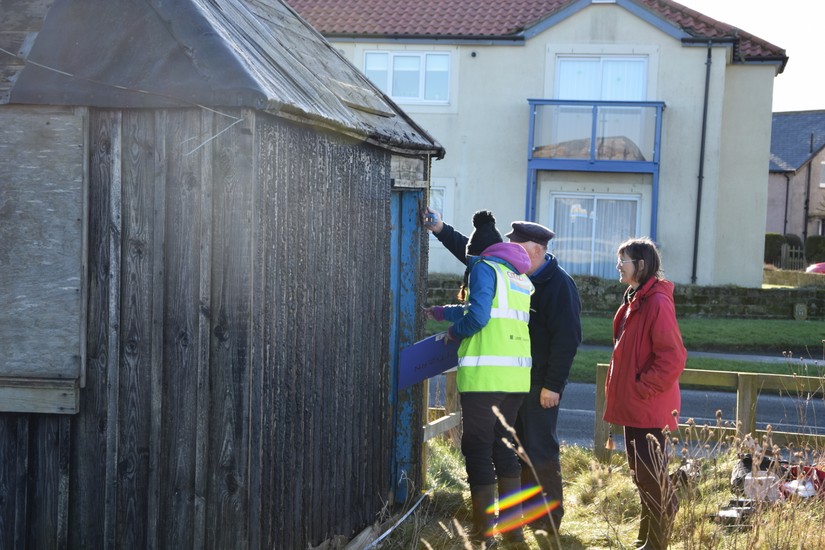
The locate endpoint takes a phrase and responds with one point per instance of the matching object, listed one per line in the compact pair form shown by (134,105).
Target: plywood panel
(41,242)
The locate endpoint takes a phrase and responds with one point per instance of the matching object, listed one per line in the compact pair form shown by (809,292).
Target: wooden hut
(210,256)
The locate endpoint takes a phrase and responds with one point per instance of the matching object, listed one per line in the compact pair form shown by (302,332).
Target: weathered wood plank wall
(237,347)
(325,364)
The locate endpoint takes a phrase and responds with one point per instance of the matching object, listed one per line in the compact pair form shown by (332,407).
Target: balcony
(593,136)
(603,136)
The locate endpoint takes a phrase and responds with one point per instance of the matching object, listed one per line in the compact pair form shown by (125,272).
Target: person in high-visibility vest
(493,371)
(555,335)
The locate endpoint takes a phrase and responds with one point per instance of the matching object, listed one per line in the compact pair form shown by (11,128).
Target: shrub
(773,246)
(815,249)
(794,240)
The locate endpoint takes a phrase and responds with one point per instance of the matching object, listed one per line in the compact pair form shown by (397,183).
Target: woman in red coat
(642,387)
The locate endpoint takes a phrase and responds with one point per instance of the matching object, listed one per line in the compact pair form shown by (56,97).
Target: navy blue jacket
(555,316)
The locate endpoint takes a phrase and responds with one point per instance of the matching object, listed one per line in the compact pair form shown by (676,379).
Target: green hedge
(773,247)
(815,249)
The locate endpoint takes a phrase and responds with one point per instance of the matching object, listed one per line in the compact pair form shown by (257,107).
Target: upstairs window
(410,77)
(605,78)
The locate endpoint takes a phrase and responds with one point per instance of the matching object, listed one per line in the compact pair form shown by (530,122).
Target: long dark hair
(643,249)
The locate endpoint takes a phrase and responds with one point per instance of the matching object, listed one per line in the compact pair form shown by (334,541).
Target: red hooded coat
(642,387)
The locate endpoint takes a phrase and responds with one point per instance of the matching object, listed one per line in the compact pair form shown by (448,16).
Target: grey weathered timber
(42,253)
(39,395)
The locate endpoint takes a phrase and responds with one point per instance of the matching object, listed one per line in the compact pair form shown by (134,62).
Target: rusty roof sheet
(501,19)
(214,53)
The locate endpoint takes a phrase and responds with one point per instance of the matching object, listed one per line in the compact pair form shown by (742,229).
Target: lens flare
(534,512)
(509,521)
(508,501)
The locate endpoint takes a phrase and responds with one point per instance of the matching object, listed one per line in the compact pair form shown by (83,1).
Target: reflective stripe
(494,361)
(501,285)
(500,313)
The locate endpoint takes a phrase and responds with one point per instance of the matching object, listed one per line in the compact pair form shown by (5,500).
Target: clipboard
(425,359)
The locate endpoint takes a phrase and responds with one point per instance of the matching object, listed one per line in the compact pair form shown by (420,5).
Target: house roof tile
(796,137)
(501,19)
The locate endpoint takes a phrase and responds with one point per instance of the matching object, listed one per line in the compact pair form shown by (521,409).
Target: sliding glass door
(589,229)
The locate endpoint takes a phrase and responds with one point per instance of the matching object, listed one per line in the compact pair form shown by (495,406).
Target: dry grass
(602,506)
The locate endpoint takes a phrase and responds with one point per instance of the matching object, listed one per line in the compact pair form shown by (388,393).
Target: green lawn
(803,339)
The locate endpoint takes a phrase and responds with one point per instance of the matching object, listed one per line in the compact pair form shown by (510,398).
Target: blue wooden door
(405,276)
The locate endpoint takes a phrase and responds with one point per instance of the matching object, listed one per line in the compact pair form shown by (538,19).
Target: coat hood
(512,253)
(652,287)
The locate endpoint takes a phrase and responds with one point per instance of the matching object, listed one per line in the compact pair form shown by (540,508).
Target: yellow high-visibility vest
(497,358)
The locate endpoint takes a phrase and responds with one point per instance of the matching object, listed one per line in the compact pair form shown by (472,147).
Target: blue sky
(796,26)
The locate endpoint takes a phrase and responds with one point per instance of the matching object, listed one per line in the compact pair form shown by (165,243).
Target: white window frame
(419,99)
(596,49)
(822,175)
(601,58)
(559,227)
(440,198)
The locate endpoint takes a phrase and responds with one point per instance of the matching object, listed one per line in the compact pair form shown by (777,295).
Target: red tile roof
(457,19)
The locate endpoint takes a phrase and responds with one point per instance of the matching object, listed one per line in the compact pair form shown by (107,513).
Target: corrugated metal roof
(796,137)
(503,19)
(214,53)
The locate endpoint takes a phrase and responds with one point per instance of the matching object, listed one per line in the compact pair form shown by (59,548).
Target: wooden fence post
(451,405)
(746,404)
(601,428)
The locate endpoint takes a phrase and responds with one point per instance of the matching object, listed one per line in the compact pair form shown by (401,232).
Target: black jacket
(555,311)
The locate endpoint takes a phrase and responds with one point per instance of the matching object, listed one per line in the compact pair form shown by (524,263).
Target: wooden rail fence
(747,386)
(451,417)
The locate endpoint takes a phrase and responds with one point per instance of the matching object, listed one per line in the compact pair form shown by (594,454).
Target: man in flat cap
(555,335)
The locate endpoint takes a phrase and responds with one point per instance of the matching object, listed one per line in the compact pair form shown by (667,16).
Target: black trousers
(486,456)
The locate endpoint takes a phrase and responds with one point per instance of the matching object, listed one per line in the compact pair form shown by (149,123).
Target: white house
(602,119)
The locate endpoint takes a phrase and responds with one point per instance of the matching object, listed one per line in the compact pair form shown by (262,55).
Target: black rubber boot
(549,475)
(512,514)
(483,497)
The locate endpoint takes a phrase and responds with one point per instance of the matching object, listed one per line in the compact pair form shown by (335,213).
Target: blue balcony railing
(605,136)
(594,136)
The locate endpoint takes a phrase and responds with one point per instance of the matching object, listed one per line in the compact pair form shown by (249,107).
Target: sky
(794,25)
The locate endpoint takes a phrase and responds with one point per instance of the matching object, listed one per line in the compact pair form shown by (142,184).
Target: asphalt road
(787,414)
(790,414)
